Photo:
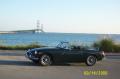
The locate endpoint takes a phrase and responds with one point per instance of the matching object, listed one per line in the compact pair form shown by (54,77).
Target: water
(51,39)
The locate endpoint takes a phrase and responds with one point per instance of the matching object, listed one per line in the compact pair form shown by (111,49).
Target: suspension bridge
(38,29)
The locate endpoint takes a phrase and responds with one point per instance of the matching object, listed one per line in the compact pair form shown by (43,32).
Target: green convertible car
(64,52)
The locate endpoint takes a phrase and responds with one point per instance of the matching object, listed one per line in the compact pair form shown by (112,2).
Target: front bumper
(30,56)
(101,56)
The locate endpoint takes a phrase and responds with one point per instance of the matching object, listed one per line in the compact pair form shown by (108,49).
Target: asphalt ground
(13,65)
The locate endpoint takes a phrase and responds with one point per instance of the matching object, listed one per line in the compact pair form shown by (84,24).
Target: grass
(20,47)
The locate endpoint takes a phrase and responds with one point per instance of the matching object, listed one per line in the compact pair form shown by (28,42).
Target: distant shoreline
(14,32)
(6,32)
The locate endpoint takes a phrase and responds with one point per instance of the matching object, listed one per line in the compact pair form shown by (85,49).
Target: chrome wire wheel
(45,60)
(91,60)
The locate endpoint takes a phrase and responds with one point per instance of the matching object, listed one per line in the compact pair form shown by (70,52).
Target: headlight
(103,53)
(35,52)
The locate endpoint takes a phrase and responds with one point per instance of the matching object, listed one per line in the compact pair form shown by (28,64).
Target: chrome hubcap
(45,60)
(91,60)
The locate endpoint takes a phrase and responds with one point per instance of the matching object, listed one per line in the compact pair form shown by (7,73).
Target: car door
(73,55)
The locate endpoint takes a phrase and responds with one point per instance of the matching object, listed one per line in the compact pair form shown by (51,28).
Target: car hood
(44,49)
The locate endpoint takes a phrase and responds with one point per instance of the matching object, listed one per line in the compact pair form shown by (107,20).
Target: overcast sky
(71,16)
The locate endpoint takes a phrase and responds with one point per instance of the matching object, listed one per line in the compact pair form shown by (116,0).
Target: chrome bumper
(30,56)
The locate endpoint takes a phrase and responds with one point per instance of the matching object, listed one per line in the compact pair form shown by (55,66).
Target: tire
(90,60)
(45,60)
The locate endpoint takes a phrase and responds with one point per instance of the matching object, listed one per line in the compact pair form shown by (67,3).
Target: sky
(66,16)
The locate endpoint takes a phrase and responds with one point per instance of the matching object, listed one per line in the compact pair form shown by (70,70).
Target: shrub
(107,45)
(116,48)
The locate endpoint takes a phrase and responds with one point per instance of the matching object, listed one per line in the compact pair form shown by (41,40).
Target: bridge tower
(39,27)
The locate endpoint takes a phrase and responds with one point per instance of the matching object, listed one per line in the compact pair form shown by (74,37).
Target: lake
(51,39)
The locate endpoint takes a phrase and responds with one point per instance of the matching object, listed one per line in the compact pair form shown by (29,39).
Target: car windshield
(64,45)
(67,45)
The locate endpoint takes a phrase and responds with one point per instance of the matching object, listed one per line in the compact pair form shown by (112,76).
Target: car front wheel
(91,60)
(45,60)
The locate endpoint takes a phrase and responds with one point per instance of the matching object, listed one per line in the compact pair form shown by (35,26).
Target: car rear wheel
(91,60)
(45,60)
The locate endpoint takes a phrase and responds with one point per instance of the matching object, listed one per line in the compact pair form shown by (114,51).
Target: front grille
(31,56)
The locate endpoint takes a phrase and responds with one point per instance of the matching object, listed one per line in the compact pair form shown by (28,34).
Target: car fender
(88,54)
(47,53)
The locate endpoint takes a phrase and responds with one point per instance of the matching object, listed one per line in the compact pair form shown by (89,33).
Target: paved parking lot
(13,65)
